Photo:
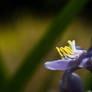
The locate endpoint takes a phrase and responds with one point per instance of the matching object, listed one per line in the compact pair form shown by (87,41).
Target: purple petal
(79,48)
(83,63)
(57,64)
(90,49)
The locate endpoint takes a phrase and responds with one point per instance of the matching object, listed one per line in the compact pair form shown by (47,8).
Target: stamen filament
(67,50)
(59,51)
(63,51)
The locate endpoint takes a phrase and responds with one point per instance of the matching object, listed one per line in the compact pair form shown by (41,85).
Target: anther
(70,43)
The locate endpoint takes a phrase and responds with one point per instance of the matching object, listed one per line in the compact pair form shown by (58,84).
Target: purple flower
(72,58)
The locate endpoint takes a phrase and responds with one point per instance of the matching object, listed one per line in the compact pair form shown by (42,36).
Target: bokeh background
(22,24)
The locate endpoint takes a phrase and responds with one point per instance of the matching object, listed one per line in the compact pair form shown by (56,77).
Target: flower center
(65,51)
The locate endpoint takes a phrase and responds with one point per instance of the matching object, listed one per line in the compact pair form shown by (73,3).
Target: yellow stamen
(63,51)
(68,50)
(70,43)
(59,51)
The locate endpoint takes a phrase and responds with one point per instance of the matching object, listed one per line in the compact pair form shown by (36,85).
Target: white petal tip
(47,66)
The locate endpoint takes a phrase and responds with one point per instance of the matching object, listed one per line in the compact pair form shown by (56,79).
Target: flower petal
(73,45)
(57,64)
(83,64)
(90,49)
(79,48)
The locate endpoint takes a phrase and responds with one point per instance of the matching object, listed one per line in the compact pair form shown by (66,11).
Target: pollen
(65,51)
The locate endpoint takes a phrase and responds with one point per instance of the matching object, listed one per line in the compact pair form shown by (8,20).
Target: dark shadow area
(43,8)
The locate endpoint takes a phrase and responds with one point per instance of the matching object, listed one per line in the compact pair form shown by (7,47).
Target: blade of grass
(30,63)
(3,74)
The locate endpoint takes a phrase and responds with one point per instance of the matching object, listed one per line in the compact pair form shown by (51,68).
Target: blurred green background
(23,26)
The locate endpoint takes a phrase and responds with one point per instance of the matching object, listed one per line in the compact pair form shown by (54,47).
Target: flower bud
(72,83)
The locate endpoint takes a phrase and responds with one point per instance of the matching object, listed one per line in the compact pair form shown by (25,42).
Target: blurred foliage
(88,82)
(3,74)
(61,23)
(47,82)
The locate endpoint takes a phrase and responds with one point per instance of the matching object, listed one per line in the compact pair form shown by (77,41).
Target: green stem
(27,69)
